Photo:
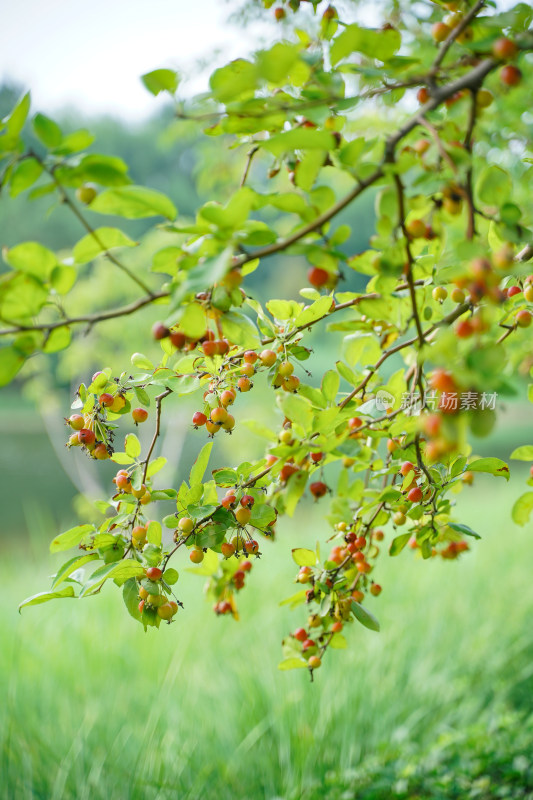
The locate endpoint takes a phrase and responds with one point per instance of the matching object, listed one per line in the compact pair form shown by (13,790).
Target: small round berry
(250,357)
(406,468)
(227,549)
(227,398)
(100,452)
(244,384)
(268,358)
(154,573)
(247,500)
(242,515)
(285,369)
(440,31)
(160,331)
(86,436)
(504,49)
(300,634)
(106,400)
(375,589)
(415,495)
(196,555)
(439,294)
(139,415)
(510,75)
(76,422)
(513,290)
(314,662)
(198,419)
(318,489)
(317,277)
(423,95)
(219,415)
(185,524)
(416,228)
(178,339)
(523,318)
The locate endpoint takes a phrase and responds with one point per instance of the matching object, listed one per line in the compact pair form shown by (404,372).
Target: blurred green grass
(91,707)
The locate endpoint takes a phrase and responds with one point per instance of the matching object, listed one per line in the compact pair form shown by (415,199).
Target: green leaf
(161,80)
(299,139)
(200,465)
(122,458)
(141,361)
(58,339)
(130,595)
(155,466)
(47,131)
(134,202)
(296,409)
(32,258)
(154,533)
(397,544)
(523,453)
(338,642)
(365,617)
(494,185)
(193,321)
(315,311)
(15,121)
(24,175)
(102,240)
(295,599)
(10,363)
(71,566)
(132,446)
(120,571)
(380,44)
(234,80)
(522,509)
(494,466)
(330,384)
(262,516)
(225,477)
(70,538)
(304,557)
(295,489)
(171,576)
(459,527)
(44,597)
(292,663)
(240,329)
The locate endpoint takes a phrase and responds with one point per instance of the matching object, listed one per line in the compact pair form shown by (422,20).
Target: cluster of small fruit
(208,343)
(230,578)
(503,49)
(222,392)
(343,579)
(154,596)
(123,482)
(92,430)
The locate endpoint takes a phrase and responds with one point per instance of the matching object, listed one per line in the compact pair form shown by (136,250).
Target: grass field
(437,705)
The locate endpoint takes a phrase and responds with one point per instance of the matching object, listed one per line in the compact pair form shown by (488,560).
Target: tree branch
(90,319)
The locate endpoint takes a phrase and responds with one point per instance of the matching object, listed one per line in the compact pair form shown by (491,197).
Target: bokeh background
(437,705)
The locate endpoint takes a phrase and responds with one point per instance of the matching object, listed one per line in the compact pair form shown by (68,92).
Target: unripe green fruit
(185,524)
(440,294)
(86,193)
(242,515)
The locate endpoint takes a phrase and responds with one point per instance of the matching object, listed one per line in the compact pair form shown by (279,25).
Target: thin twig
(90,319)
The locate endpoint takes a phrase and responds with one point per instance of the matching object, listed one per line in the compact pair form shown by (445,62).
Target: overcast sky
(91,54)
